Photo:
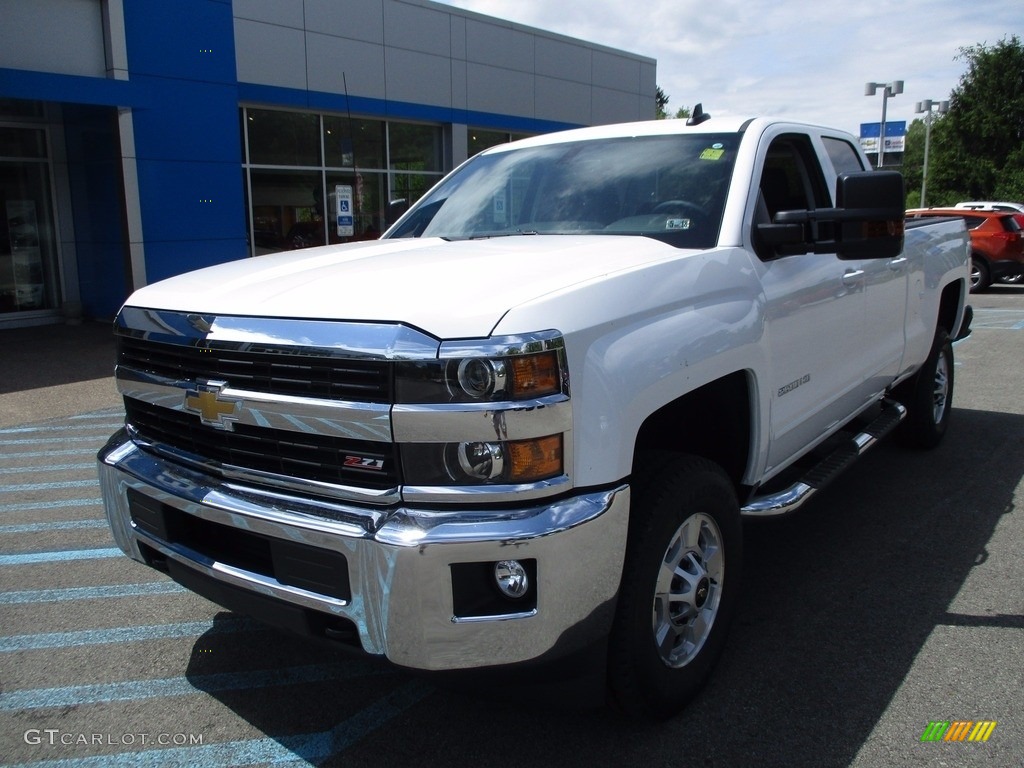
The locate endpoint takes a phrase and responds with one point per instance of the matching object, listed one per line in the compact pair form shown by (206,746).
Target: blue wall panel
(191,201)
(167,259)
(187,139)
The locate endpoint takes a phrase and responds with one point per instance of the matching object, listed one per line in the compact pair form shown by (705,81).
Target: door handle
(898,263)
(852,276)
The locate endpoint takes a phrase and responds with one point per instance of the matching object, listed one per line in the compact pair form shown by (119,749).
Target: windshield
(669,187)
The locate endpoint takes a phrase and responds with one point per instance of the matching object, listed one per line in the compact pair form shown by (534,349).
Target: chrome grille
(298,455)
(274,370)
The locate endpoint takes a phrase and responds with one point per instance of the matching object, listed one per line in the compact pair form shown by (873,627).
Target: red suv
(997,243)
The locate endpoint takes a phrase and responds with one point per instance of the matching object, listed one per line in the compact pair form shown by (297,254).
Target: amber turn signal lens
(535,375)
(532,460)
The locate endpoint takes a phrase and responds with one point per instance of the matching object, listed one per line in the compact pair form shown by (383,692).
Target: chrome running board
(821,474)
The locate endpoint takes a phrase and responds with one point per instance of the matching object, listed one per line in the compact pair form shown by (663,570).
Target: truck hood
(448,289)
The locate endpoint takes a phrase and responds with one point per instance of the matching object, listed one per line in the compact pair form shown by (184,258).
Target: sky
(801,60)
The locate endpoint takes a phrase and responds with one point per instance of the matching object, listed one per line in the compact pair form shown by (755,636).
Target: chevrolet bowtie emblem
(213,407)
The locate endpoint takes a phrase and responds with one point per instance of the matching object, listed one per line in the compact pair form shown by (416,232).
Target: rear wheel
(929,396)
(679,585)
(981,278)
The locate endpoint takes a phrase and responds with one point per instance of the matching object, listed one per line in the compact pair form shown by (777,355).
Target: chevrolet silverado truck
(530,419)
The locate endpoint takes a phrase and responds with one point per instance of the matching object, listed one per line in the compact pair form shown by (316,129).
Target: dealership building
(141,139)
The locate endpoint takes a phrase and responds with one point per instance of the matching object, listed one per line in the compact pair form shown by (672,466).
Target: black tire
(981,277)
(684,515)
(928,396)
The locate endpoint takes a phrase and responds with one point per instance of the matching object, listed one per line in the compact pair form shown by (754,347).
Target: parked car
(997,242)
(985,205)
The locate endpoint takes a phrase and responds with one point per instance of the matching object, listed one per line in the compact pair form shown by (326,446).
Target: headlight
(510,369)
(513,462)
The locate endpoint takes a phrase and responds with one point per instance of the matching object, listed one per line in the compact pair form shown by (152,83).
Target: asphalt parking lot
(894,600)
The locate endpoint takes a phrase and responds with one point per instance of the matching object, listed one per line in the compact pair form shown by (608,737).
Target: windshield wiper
(489,235)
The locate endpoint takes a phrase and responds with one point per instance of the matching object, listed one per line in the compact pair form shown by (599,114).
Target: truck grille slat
(263,369)
(319,458)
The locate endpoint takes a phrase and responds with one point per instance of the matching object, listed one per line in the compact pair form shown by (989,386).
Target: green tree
(977,149)
(660,103)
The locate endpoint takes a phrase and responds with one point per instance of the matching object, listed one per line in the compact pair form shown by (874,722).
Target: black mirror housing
(871,208)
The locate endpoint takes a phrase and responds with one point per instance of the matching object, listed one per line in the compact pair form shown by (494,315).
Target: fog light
(511,578)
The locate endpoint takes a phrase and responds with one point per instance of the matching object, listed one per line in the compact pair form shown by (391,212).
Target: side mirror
(867,222)
(871,212)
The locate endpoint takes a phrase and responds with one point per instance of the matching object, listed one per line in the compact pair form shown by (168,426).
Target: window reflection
(378,168)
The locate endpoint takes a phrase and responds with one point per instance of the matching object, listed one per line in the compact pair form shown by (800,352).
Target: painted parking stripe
(51,640)
(68,525)
(91,593)
(47,468)
(28,487)
(49,440)
(304,749)
(31,558)
(62,428)
(84,451)
(136,690)
(61,504)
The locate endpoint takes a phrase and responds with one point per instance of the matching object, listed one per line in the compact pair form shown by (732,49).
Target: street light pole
(926,106)
(889,89)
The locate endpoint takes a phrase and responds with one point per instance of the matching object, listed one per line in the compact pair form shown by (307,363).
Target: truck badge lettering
(794,384)
(364,462)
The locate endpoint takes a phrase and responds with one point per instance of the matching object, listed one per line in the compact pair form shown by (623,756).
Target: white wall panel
(269,54)
(60,36)
(333,62)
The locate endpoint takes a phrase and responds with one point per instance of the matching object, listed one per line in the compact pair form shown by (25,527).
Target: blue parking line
(135,690)
(31,558)
(90,593)
(61,504)
(51,640)
(62,428)
(48,440)
(47,468)
(84,451)
(303,749)
(27,487)
(68,525)
(106,413)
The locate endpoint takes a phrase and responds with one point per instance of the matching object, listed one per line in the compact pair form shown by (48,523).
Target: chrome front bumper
(399,560)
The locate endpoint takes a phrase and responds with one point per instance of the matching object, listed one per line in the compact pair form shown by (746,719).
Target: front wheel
(679,585)
(929,396)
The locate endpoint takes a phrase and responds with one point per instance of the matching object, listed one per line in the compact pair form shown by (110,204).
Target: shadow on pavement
(838,601)
(51,355)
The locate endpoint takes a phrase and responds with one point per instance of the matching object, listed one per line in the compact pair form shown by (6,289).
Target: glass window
(480,139)
(843,156)
(20,108)
(369,210)
(671,188)
(21,142)
(28,249)
(415,147)
(283,138)
(287,210)
(354,143)
(295,203)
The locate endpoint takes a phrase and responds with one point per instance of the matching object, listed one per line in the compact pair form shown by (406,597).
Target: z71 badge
(364,462)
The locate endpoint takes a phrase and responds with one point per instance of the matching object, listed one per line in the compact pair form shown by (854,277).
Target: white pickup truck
(529,420)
